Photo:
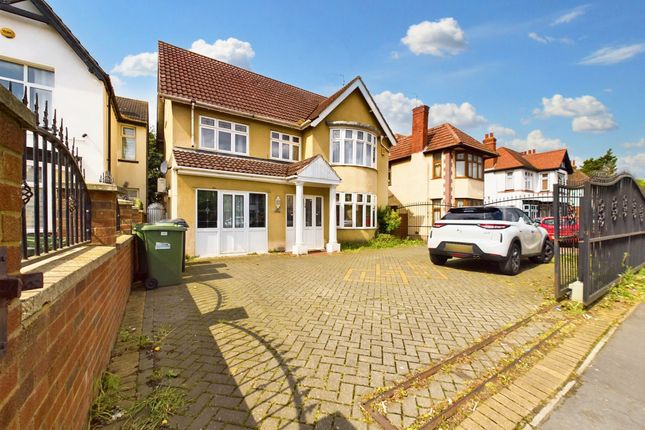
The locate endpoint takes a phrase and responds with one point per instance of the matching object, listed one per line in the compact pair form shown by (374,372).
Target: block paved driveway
(277,341)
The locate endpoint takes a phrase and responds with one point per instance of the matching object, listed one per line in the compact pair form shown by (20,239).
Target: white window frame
(124,137)
(528,181)
(29,85)
(217,129)
(371,141)
(290,141)
(544,176)
(371,206)
(509,176)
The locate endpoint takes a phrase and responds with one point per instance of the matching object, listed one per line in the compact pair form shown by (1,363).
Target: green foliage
(630,289)
(155,157)
(601,166)
(641,182)
(153,411)
(105,403)
(388,220)
(379,242)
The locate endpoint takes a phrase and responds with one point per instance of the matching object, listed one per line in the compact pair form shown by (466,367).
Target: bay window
(355,210)
(353,147)
(285,146)
(224,136)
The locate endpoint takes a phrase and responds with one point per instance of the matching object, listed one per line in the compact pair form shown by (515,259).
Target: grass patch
(104,406)
(154,410)
(379,242)
(630,289)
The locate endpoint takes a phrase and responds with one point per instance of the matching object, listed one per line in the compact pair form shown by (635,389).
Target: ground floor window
(206,209)
(355,210)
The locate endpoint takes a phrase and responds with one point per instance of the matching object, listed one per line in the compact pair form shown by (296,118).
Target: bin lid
(161,227)
(177,221)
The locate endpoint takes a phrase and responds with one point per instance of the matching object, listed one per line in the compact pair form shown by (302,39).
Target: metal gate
(567,201)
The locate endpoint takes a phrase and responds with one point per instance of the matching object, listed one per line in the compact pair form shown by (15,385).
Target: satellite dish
(163,167)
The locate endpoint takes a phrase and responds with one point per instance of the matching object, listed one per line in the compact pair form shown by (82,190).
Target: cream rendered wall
(466,188)
(411,180)
(135,174)
(78,96)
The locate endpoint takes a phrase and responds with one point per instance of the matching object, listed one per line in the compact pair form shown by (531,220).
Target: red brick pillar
(103,201)
(125,213)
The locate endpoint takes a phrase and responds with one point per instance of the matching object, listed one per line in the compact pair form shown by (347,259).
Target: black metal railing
(56,205)
(566,207)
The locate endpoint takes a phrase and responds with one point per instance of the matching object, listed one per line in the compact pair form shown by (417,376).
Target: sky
(539,74)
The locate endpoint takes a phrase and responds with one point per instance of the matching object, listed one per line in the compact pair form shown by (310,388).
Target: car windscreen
(474,213)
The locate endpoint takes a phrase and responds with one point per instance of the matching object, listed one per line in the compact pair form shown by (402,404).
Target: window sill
(355,228)
(123,160)
(352,165)
(221,151)
(468,177)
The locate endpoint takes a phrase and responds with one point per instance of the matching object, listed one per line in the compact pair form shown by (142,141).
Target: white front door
(234,235)
(313,220)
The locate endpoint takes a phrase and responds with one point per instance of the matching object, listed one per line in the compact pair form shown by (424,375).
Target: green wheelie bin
(164,252)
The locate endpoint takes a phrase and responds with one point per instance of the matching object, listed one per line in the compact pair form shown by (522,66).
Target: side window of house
(38,82)
(224,136)
(285,146)
(436,165)
(128,143)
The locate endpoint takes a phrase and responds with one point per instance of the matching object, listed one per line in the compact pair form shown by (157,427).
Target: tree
(388,220)
(155,157)
(601,166)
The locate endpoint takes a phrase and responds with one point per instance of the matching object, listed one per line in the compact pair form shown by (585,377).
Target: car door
(532,238)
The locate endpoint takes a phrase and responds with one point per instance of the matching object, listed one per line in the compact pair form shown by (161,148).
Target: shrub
(388,220)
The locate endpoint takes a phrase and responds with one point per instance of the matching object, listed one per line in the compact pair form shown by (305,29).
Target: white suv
(502,234)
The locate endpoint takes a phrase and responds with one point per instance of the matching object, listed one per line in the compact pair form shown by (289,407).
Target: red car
(569,228)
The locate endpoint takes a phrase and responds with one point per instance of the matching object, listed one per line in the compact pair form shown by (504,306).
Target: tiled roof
(510,159)
(187,75)
(231,163)
(133,110)
(439,137)
(578,177)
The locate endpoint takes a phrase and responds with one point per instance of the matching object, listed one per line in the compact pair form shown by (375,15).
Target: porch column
(332,245)
(299,247)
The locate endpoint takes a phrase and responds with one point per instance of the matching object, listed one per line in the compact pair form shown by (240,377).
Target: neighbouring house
(441,166)
(525,179)
(257,165)
(41,57)
(578,177)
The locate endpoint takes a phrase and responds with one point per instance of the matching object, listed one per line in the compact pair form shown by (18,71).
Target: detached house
(441,165)
(41,58)
(525,179)
(256,164)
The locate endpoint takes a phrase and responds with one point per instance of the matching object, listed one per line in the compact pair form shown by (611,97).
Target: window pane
(348,134)
(368,217)
(461,167)
(224,141)
(347,212)
(359,198)
(40,76)
(44,97)
(319,203)
(11,70)
(289,211)
(285,151)
(241,128)
(335,134)
(207,138)
(295,139)
(18,90)
(295,152)
(460,156)
(128,131)
(360,135)
(308,212)
(359,153)
(239,211)
(206,209)
(338,215)
(128,148)
(275,149)
(240,143)
(224,124)
(207,121)
(368,155)
(359,215)
(228,210)
(369,137)
(335,151)
(349,152)
(257,210)
(348,197)
(275,135)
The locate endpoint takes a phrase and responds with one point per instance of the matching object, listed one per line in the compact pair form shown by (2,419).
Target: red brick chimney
(490,142)
(419,128)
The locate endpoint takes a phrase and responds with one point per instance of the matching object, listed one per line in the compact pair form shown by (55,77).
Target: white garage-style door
(313,234)
(230,222)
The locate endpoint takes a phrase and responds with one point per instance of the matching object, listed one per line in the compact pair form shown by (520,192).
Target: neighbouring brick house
(441,165)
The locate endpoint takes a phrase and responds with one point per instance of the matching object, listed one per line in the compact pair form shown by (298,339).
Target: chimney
(490,142)
(419,128)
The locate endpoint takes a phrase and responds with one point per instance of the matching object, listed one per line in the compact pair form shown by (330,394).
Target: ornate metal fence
(566,209)
(612,226)
(56,206)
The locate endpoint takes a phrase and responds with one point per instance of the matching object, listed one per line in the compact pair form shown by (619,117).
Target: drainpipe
(192,123)
(109,135)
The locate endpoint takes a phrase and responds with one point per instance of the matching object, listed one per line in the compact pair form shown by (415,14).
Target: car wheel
(438,260)
(547,252)
(511,266)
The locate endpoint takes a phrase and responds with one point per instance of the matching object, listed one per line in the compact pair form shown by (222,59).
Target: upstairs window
(509,180)
(528,181)
(545,182)
(436,165)
(468,165)
(353,147)
(128,143)
(16,77)
(224,136)
(285,147)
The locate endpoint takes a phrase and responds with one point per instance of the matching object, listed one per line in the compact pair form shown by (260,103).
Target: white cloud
(637,144)
(634,164)
(502,133)
(548,39)
(436,38)
(397,110)
(463,115)
(231,50)
(569,16)
(588,113)
(117,82)
(135,65)
(536,140)
(612,55)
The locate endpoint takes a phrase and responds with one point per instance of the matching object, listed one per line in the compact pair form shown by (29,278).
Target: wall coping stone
(93,186)
(62,272)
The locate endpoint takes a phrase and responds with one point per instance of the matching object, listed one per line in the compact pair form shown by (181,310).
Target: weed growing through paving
(104,406)
(630,289)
